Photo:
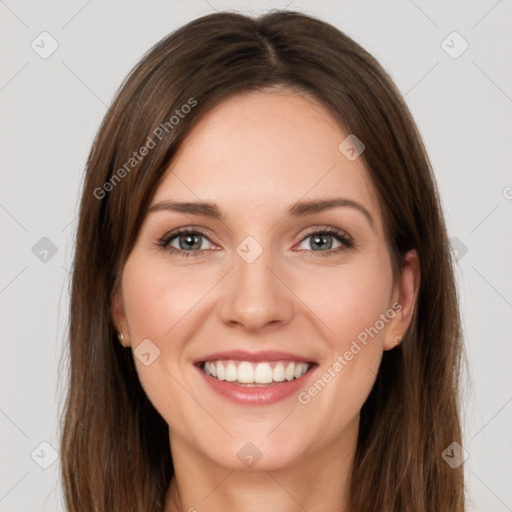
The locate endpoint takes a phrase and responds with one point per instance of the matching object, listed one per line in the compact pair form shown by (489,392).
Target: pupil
(319,241)
(190,242)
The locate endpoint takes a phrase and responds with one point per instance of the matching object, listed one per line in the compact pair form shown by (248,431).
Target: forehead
(267,150)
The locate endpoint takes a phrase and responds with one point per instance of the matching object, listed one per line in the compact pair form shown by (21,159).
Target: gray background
(51,109)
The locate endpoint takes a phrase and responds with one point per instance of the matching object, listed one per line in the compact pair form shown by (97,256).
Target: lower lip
(256,395)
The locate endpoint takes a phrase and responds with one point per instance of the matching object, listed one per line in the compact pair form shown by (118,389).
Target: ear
(119,317)
(404,297)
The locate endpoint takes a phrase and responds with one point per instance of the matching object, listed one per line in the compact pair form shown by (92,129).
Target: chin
(257,453)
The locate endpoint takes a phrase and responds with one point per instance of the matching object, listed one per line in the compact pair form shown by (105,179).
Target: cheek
(157,297)
(159,304)
(350,303)
(349,299)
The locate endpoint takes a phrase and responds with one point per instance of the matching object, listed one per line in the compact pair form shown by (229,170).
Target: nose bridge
(255,297)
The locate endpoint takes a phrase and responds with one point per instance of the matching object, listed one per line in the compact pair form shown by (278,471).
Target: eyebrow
(299,209)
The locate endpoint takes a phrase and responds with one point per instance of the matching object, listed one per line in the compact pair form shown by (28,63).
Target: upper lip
(243,355)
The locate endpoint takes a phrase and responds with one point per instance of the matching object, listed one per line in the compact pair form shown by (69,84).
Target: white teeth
(278,373)
(220,372)
(298,371)
(231,373)
(245,372)
(290,371)
(263,373)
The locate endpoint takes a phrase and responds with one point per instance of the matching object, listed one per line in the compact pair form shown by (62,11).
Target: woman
(263,309)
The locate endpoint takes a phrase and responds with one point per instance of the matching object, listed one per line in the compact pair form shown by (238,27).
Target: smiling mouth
(252,374)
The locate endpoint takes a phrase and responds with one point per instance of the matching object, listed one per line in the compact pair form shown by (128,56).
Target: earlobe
(119,318)
(407,294)
(120,337)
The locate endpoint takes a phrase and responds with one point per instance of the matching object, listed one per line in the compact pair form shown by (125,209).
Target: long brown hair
(115,446)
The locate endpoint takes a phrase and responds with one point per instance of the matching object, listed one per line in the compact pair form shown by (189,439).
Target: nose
(256,296)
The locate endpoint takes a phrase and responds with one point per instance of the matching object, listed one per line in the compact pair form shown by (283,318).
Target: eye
(326,241)
(190,242)
(185,241)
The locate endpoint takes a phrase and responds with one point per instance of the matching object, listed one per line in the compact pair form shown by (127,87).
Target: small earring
(397,339)
(120,335)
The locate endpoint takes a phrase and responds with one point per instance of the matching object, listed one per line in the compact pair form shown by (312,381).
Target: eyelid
(165,240)
(324,229)
(342,236)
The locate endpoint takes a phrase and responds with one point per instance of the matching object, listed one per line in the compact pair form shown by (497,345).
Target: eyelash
(341,236)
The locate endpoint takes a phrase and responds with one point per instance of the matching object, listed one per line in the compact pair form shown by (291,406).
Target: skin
(255,155)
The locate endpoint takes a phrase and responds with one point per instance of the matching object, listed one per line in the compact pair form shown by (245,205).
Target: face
(261,287)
